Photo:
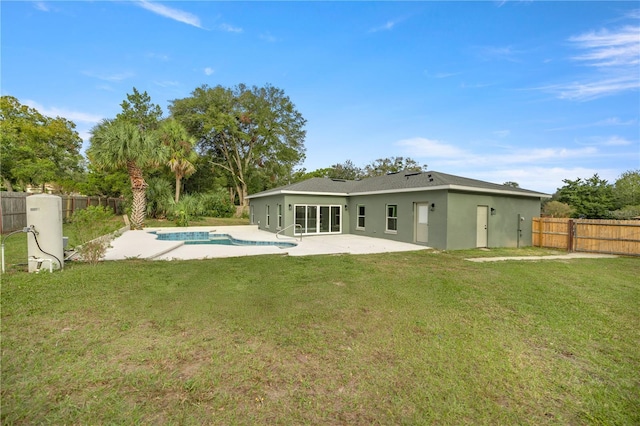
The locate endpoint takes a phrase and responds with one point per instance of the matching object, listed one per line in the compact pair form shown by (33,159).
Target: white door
(482,231)
(422,222)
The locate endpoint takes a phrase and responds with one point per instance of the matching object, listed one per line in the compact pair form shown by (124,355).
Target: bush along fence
(13,207)
(588,235)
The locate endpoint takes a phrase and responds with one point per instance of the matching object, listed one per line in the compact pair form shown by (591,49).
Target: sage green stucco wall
(452,222)
(375,216)
(503,226)
(260,206)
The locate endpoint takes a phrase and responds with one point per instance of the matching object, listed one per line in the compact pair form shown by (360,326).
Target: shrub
(557,209)
(92,228)
(159,198)
(189,207)
(217,204)
(626,213)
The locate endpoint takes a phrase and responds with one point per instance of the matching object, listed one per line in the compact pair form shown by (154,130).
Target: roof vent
(412,174)
(338,180)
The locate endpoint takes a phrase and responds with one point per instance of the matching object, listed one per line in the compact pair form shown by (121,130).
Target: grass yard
(404,338)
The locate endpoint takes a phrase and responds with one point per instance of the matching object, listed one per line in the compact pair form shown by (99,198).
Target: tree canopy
(384,166)
(130,141)
(139,110)
(248,132)
(627,189)
(181,156)
(380,167)
(590,198)
(36,149)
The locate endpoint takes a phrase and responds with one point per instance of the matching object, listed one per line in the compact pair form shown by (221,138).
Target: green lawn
(404,338)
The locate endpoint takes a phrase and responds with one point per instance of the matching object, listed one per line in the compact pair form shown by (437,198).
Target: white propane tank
(44,216)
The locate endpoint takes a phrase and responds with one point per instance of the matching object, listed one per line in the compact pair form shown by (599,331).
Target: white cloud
(605,48)
(386,27)
(209,70)
(544,179)
(268,37)
(539,169)
(167,83)
(450,155)
(503,53)
(160,56)
(430,148)
(596,88)
(115,77)
(502,133)
(607,122)
(75,116)
(171,13)
(615,56)
(41,6)
(441,74)
(615,141)
(230,28)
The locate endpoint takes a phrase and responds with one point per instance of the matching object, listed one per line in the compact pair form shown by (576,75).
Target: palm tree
(181,155)
(119,144)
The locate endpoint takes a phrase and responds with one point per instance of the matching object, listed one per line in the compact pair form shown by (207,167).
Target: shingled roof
(406,181)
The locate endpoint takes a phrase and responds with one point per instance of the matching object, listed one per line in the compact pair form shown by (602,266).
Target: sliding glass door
(318,219)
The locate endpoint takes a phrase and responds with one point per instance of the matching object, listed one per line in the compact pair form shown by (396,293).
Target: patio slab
(144,245)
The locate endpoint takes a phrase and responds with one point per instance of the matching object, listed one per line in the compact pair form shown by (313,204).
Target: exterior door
(422,222)
(482,227)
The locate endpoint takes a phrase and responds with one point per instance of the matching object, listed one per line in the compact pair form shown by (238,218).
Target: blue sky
(531,92)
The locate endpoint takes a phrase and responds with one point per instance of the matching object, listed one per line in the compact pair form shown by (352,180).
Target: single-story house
(429,208)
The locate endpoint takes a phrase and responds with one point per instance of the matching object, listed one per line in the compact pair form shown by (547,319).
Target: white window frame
(268,221)
(251,213)
(363,216)
(387,217)
(279,225)
(318,213)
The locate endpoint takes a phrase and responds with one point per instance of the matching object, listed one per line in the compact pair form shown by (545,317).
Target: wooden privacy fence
(588,235)
(13,207)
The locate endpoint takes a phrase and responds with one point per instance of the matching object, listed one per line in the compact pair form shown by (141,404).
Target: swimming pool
(205,237)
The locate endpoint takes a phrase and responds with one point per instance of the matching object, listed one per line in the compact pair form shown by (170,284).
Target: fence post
(570,235)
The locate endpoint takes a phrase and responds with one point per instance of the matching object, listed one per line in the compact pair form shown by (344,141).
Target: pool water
(204,237)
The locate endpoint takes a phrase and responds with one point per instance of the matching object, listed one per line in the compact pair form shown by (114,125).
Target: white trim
(358,216)
(318,214)
(279,213)
(387,217)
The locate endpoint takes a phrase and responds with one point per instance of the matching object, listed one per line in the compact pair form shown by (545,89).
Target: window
(268,222)
(360,223)
(392,218)
(253,219)
(279,215)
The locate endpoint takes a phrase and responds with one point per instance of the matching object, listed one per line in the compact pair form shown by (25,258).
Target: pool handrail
(284,229)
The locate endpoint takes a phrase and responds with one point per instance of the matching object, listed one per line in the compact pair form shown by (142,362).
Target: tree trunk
(243,201)
(138,208)
(178,183)
(139,188)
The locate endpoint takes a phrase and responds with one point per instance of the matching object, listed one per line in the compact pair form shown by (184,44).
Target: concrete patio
(144,245)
